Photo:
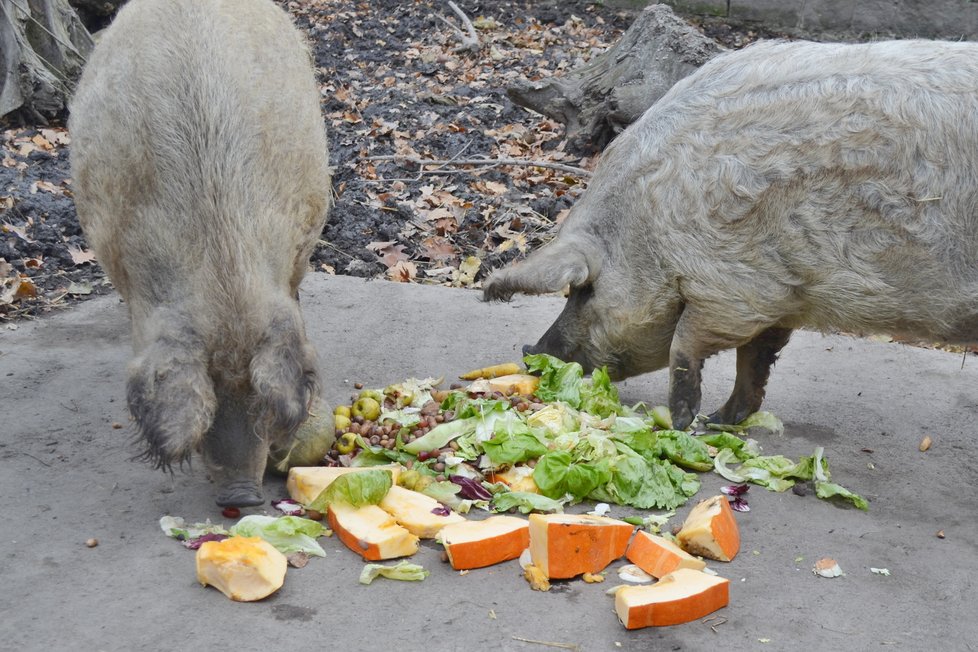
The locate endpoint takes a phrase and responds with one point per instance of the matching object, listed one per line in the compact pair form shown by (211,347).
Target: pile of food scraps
(411,462)
(543,438)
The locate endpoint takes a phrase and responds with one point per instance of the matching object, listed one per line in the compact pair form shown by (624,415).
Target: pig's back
(839,180)
(201,152)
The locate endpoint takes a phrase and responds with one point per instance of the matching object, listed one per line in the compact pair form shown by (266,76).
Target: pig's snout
(242,493)
(529,349)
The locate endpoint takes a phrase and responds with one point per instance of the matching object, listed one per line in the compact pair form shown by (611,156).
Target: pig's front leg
(692,343)
(686,357)
(754,362)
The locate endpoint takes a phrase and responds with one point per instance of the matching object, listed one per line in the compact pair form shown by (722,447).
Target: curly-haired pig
(782,186)
(202,184)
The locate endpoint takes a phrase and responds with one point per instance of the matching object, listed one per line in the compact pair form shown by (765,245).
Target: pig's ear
(171,398)
(550,269)
(284,376)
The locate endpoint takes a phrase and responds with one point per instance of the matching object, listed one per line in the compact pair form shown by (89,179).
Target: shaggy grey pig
(202,183)
(787,185)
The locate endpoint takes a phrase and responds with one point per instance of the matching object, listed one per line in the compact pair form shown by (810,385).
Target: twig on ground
(492,162)
(565,646)
(470,40)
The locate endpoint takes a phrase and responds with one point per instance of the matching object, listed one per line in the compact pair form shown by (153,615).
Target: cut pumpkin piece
(517,478)
(567,545)
(416,512)
(370,532)
(242,568)
(305,483)
(681,596)
(477,544)
(658,556)
(524,384)
(711,531)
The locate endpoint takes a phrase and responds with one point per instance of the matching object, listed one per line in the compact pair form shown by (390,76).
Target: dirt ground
(392,84)
(66,475)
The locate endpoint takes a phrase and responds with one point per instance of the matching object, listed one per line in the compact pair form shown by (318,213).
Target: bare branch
(469,38)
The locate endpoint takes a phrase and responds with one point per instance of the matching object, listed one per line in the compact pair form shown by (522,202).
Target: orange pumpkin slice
(242,568)
(711,531)
(659,556)
(370,532)
(681,596)
(567,545)
(517,478)
(477,544)
(416,512)
(305,483)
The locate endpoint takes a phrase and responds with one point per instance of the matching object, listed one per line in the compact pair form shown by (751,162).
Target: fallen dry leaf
(403,272)
(81,256)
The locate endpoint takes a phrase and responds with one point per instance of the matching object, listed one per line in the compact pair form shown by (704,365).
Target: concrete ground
(66,476)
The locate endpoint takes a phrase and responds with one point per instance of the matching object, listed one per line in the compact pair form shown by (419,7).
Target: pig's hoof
(681,417)
(240,494)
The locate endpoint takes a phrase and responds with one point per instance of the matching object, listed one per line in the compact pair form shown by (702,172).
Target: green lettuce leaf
(356,489)
(742,449)
(526,502)
(683,449)
(556,475)
(512,446)
(599,396)
(559,381)
(647,483)
(286,533)
(824,488)
(440,435)
(403,570)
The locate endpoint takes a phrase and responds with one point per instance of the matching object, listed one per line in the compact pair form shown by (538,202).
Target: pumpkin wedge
(305,483)
(370,532)
(567,545)
(477,544)
(417,512)
(517,478)
(523,384)
(658,556)
(681,596)
(242,568)
(711,530)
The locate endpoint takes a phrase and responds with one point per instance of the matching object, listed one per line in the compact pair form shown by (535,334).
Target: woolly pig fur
(202,183)
(786,185)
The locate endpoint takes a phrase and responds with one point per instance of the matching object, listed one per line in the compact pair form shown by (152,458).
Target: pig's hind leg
(754,362)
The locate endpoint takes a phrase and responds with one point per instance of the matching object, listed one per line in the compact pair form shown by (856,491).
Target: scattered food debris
(404,571)
(537,578)
(880,571)
(91,543)
(925,443)
(242,568)
(827,567)
(680,597)
(711,530)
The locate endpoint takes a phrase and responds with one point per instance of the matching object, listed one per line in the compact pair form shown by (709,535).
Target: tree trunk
(597,101)
(43,46)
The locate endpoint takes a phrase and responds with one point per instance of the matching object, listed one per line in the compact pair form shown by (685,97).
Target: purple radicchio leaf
(194,544)
(471,489)
(735,489)
(288,507)
(441,510)
(739,505)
